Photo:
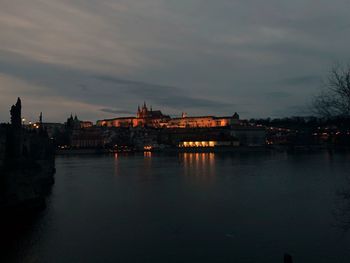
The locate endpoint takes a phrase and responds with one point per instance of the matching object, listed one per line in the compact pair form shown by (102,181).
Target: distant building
(249,135)
(209,141)
(156,119)
(86,124)
(51,128)
(87,138)
(202,122)
(75,123)
(144,117)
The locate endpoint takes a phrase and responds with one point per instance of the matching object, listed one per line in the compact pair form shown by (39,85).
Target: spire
(41,118)
(16,117)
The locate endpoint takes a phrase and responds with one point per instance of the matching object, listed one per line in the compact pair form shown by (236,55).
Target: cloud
(183,102)
(147,89)
(278,94)
(79,85)
(35,99)
(295,110)
(114,111)
(302,80)
(164,95)
(200,56)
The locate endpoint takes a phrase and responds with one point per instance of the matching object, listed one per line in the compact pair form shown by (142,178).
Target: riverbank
(222,149)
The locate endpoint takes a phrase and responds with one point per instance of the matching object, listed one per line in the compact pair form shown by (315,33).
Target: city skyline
(144,111)
(101,58)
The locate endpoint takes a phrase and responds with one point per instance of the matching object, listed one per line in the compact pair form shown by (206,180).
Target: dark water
(192,208)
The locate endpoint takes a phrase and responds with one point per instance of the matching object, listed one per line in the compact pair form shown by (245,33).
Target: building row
(156,119)
(151,129)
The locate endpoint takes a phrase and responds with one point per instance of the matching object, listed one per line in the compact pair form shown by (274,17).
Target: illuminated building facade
(202,122)
(150,118)
(144,117)
(206,144)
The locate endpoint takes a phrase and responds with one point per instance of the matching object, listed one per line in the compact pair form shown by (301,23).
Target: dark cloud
(183,102)
(103,89)
(278,94)
(302,81)
(114,111)
(204,57)
(141,88)
(164,95)
(83,87)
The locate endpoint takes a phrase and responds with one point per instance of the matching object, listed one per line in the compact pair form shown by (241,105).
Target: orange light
(147,148)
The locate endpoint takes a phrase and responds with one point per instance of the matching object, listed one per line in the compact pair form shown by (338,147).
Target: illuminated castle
(144,117)
(156,119)
(144,113)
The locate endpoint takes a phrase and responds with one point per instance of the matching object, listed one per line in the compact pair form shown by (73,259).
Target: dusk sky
(101,58)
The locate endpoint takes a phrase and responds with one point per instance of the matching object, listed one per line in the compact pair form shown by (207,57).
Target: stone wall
(26,173)
(2,146)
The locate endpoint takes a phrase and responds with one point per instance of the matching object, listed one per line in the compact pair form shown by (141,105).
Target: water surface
(190,207)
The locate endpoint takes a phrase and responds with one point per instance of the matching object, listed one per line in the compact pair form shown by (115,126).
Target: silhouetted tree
(334,100)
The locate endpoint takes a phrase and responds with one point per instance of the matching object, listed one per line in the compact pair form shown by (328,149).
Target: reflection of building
(156,119)
(198,164)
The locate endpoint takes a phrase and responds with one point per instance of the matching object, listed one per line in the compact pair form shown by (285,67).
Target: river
(191,207)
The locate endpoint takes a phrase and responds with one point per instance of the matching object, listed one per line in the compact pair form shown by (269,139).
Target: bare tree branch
(334,99)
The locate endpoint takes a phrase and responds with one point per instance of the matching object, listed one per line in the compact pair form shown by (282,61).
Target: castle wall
(187,122)
(156,119)
(201,122)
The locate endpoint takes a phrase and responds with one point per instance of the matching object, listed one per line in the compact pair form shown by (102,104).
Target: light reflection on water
(198,164)
(192,207)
